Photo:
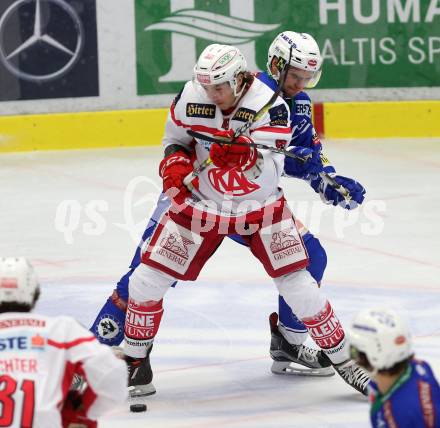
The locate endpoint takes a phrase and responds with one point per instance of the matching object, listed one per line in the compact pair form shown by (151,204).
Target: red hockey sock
(326,330)
(141,325)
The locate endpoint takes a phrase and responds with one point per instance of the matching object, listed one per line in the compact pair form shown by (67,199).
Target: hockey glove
(329,195)
(311,166)
(73,414)
(231,156)
(173,169)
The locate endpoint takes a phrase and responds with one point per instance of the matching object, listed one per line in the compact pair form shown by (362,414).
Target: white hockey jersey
(231,192)
(38,357)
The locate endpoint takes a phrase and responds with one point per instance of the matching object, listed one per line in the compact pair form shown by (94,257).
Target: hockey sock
(141,325)
(326,330)
(108,326)
(293,330)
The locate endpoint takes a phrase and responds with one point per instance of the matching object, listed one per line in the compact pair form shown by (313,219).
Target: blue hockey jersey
(412,402)
(300,105)
(304,133)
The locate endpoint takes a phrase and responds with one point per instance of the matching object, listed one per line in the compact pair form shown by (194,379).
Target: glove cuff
(175,158)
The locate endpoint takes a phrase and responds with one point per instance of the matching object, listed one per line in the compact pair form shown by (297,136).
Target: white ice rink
(77,215)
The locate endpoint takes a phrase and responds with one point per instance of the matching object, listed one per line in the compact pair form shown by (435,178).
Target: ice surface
(78,215)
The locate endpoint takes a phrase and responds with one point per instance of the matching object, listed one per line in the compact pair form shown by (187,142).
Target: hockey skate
(353,374)
(140,377)
(295,359)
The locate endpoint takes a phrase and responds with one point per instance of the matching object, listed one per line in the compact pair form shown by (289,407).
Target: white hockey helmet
(305,54)
(219,64)
(18,282)
(382,336)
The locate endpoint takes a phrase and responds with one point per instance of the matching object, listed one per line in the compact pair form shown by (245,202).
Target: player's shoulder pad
(68,327)
(189,92)
(257,96)
(422,369)
(194,103)
(267,80)
(177,97)
(302,96)
(303,105)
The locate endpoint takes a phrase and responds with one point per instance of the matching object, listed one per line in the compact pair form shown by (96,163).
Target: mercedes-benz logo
(40,41)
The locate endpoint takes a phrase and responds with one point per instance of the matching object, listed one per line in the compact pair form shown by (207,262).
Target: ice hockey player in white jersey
(237,192)
(288,334)
(39,356)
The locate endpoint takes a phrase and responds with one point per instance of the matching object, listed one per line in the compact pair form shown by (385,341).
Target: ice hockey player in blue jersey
(287,348)
(304,72)
(404,392)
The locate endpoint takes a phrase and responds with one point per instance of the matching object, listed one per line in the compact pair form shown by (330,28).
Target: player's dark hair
(248,77)
(397,368)
(19,307)
(362,360)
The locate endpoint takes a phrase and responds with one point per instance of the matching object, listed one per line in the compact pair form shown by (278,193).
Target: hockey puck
(137,408)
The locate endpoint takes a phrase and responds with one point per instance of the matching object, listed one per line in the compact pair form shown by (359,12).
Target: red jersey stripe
(68,345)
(272,129)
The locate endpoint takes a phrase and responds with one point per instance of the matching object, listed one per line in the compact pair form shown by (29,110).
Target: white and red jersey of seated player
(39,356)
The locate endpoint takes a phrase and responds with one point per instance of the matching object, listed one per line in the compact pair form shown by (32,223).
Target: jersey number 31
(8,388)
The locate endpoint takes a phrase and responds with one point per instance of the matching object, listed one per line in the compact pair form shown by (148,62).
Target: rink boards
(137,127)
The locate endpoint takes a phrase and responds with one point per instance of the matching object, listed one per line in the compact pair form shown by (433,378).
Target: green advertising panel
(365,43)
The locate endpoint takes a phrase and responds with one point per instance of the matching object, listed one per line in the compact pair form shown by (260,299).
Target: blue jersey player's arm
(305,143)
(303,135)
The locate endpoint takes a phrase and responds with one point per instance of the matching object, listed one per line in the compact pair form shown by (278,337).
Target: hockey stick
(211,139)
(242,129)
(325,176)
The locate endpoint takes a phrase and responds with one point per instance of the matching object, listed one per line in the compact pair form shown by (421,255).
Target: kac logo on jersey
(231,182)
(206,111)
(181,26)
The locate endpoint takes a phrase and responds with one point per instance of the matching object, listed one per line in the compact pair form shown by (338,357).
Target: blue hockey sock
(108,326)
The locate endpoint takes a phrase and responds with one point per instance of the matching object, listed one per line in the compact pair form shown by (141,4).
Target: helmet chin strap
(277,76)
(277,79)
(238,95)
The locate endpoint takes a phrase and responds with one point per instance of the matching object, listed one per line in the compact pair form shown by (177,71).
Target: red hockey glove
(173,169)
(73,414)
(230,156)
